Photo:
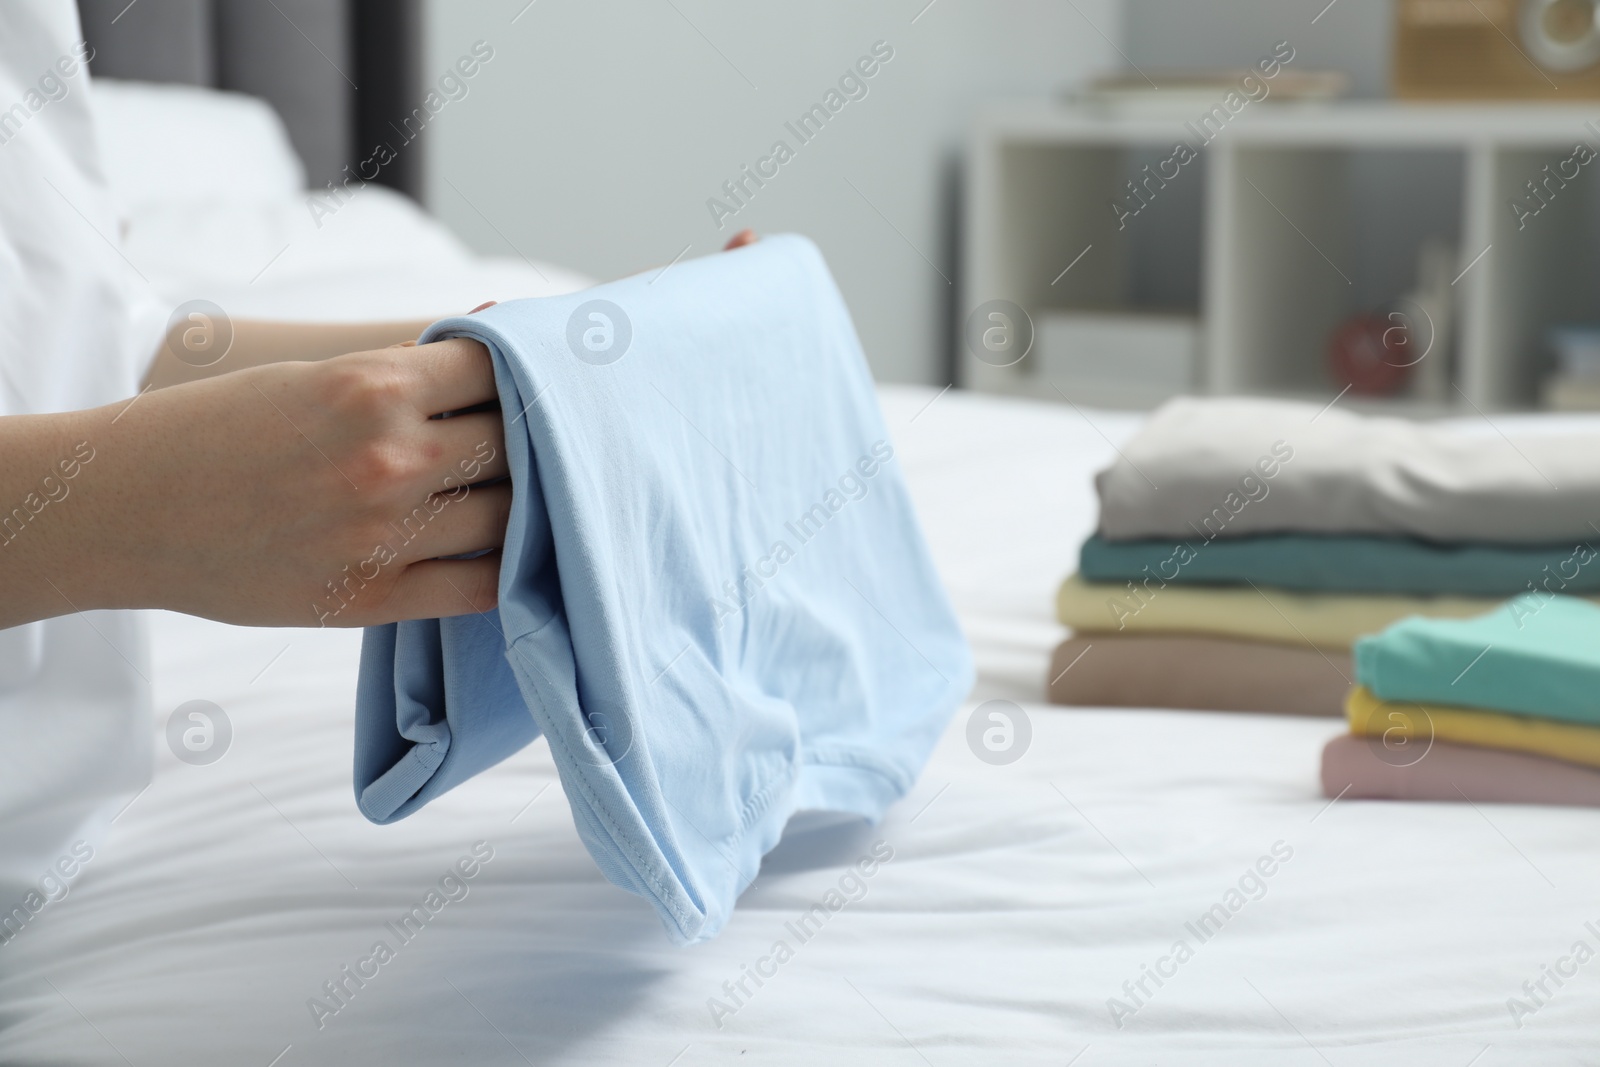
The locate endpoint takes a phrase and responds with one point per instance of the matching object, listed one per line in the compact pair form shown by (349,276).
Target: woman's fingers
(452,374)
(439,588)
(472,449)
(470,520)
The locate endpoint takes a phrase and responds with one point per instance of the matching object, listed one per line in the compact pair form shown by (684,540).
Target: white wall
(1406,197)
(1351,35)
(598,132)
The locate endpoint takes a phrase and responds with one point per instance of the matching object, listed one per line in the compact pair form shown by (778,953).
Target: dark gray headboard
(338,71)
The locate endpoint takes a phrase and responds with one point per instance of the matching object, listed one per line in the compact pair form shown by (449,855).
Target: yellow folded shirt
(1320,620)
(1416,723)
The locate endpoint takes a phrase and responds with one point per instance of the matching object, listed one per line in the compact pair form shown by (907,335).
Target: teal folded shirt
(1347,564)
(1533,655)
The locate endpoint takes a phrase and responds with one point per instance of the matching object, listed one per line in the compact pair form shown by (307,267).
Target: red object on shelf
(1371,354)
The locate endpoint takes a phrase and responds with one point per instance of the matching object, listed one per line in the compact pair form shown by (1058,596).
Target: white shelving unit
(1278,229)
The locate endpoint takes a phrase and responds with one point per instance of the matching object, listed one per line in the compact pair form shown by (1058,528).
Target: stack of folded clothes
(1502,708)
(1245,545)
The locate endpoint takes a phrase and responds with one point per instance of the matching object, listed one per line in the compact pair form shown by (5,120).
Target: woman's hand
(290,494)
(294,494)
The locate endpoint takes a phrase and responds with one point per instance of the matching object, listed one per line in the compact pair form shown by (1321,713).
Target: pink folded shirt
(1361,767)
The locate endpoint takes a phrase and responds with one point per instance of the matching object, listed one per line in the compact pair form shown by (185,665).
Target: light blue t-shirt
(714,599)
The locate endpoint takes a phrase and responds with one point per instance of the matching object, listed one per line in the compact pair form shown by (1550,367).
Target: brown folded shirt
(1201,673)
(1360,767)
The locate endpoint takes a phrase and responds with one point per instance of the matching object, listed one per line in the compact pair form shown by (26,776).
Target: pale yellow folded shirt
(1415,724)
(1320,620)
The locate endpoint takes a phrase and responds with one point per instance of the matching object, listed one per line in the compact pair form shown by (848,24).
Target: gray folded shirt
(1231,467)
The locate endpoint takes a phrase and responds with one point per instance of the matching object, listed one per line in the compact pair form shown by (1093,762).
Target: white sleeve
(74,704)
(75,314)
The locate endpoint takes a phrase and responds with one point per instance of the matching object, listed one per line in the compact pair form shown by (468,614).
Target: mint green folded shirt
(1534,655)
(1347,564)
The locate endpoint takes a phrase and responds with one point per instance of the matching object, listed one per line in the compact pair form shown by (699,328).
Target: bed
(1015,913)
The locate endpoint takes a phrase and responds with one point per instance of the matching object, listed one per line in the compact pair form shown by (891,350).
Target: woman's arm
(293,494)
(185,357)
(282,485)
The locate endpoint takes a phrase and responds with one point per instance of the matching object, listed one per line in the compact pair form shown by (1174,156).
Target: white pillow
(163,143)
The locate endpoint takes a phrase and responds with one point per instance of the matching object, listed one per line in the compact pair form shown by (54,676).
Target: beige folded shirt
(1318,620)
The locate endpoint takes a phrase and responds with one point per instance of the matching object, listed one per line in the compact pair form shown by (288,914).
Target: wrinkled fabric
(715,600)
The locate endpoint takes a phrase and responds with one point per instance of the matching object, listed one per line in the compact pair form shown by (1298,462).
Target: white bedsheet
(1018,900)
